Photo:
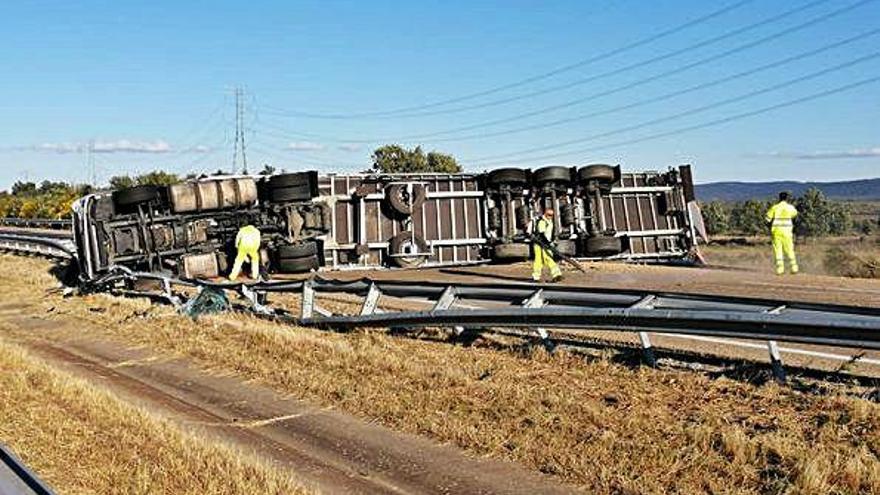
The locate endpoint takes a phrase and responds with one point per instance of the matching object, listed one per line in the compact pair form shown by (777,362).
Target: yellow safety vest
(248,237)
(545,228)
(781,215)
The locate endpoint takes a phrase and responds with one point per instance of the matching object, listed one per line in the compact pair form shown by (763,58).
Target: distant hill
(864,189)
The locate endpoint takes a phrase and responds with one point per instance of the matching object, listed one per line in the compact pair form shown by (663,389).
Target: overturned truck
(312,221)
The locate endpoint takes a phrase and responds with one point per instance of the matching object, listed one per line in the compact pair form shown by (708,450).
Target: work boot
(557,278)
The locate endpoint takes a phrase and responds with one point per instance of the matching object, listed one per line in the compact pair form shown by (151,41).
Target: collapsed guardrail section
(551,312)
(52,247)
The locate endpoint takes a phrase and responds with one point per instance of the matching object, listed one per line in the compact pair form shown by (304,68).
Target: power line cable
(716,122)
(626,68)
(670,95)
(566,68)
(692,111)
(634,84)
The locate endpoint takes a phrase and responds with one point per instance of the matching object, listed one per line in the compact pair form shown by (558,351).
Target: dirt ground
(560,420)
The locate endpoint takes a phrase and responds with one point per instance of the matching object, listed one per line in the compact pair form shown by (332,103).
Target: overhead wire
(666,96)
(640,82)
(692,111)
(707,124)
(528,80)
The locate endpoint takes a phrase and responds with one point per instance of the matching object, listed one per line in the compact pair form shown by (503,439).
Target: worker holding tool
(247,242)
(781,219)
(543,236)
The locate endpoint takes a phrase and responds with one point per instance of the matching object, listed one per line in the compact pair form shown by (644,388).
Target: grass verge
(603,426)
(83,440)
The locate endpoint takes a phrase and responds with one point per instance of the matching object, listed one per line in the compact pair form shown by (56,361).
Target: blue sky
(150,85)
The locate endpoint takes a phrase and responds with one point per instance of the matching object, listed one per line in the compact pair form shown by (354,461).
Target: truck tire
(404,243)
(602,174)
(300,186)
(603,245)
(291,180)
(551,174)
(509,176)
(397,197)
(513,251)
(567,214)
(567,247)
(292,193)
(301,250)
(136,195)
(298,265)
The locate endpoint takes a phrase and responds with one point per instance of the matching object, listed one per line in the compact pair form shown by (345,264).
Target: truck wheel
(136,195)
(551,174)
(509,176)
(567,247)
(399,199)
(604,245)
(298,265)
(300,186)
(291,180)
(404,244)
(603,174)
(301,250)
(293,193)
(514,251)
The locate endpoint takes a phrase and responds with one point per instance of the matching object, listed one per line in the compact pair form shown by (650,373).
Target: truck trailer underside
(312,221)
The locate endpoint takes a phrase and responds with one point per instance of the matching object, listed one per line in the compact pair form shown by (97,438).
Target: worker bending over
(781,219)
(544,228)
(247,242)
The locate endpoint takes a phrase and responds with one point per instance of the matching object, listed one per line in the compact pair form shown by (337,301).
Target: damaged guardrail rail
(545,311)
(468,309)
(51,246)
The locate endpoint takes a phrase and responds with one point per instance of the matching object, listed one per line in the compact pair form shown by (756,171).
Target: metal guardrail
(38,223)
(552,312)
(16,478)
(40,245)
(475,308)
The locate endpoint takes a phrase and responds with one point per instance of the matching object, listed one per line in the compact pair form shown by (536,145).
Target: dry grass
(813,256)
(83,440)
(605,427)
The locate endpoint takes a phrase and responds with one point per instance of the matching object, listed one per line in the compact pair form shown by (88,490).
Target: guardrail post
(536,300)
(647,350)
(773,349)
(308,300)
(648,355)
(444,302)
(776,361)
(371,300)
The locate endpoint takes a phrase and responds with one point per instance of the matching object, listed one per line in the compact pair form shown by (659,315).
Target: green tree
(121,182)
(818,216)
(157,178)
(442,163)
(748,217)
(24,188)
(716,217)
(395,159)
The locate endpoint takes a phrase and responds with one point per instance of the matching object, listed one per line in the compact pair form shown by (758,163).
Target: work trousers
(783,247)
(246,252)
(542,259)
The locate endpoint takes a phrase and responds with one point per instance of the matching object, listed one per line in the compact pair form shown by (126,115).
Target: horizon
(745,91)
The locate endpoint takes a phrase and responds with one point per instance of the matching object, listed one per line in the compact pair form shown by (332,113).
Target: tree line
(818,216)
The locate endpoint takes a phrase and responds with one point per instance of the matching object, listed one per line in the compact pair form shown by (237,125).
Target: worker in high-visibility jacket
(781,219)
(247,242)
(544,227)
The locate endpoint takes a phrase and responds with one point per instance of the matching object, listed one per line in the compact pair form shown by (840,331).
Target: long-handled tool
(546,245)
